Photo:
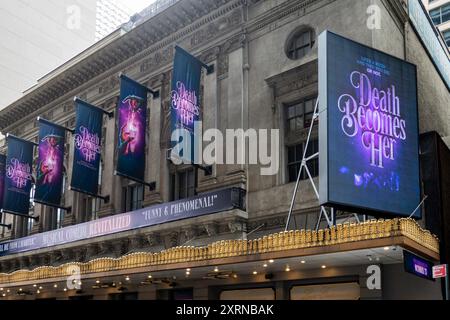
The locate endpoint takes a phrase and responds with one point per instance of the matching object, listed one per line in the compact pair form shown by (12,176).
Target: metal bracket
(304,166)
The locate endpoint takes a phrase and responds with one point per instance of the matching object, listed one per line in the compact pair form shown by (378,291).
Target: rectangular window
(183,184)
(133,198)
(295,154)
(440,15)
(92,206)
(447,37)
(300,115)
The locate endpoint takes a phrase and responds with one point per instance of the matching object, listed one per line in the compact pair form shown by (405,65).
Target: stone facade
(252,82)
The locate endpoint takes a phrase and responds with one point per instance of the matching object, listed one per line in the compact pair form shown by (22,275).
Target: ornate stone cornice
(279,244)
(118,55)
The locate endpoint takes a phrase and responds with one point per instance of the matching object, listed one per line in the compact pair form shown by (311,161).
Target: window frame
(188,190)
(293,48)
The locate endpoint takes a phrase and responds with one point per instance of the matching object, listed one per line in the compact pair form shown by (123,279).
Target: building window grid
(300,115)
(300,44)
(295,155)
(440,15)
(133,197)
(446,35)
(183,184)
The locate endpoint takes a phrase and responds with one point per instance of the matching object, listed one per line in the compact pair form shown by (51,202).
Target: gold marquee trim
(345,233)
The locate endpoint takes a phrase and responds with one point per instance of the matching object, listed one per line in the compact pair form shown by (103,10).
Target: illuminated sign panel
(417,266)
(369,153)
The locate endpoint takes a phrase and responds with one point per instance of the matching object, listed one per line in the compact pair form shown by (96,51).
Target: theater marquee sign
(369,153)
(204,204)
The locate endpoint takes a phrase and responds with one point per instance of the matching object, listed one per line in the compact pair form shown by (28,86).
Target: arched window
(300,43)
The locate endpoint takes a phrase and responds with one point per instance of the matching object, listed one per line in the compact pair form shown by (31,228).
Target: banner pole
(151,185)
(109,114)
(153,92)
(20,215)
(55,124)
(209,69)
(13,136)
(9,226)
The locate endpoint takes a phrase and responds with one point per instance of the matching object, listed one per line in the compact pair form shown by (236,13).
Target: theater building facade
(232,243)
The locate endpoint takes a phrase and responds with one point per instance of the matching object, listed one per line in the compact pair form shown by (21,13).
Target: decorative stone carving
(157,60)
(188,234)
(171,239)
(152,239)
(92,251)
(105,248)
(109,84)
(118,247)
(222,65)
(136,243)
(237,226)
(80,254)
(219,26)
(211,229)
(210,55)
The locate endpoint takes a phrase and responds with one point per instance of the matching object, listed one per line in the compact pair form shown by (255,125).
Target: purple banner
(88,148)
(205,204)
(49,177)
(18,177)
(2,178)
(132,118)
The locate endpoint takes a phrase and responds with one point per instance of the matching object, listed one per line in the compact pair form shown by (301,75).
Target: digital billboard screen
(368,129)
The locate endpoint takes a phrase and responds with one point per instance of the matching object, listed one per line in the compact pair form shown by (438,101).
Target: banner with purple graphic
(18,177)
(185,99)
(2,179)
(49,171)
(369,151)
(132,120)
(87,148)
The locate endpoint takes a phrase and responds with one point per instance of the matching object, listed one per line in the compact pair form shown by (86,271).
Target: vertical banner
(18,178)
(368,129)
(2,179)
(87,148)
(185,103)
(132,118)
(49,172)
